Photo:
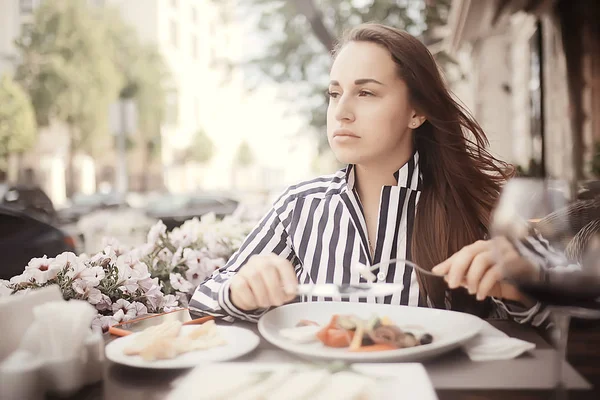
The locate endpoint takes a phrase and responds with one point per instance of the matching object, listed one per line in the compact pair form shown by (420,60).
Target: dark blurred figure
(28,197)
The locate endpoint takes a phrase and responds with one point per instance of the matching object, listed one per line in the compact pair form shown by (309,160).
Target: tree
(299,36)
(68,70)
(244,156)
(145,80)
(17,120)
(202,148)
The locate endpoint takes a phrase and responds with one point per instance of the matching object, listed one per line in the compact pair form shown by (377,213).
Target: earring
(414,124)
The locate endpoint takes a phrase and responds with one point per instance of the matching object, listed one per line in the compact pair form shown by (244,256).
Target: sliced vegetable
(346,322)
(358,335)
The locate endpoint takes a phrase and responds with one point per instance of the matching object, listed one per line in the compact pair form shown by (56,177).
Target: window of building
(197,112)
(172,109)
(194,16)
(28,6)
(195,46)
(173,33)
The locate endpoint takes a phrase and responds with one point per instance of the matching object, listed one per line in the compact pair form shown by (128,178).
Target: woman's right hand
(265,281)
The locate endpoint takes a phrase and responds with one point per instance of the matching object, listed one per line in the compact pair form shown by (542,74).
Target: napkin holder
(32,378)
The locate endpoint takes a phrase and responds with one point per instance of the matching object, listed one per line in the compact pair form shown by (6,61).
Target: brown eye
(331,94)
(365,93)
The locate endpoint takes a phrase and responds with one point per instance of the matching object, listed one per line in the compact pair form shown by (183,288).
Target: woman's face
(369,115)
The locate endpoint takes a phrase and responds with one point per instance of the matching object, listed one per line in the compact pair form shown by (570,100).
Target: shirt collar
(408,176)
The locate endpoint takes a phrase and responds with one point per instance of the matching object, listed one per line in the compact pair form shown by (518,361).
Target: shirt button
(381,276)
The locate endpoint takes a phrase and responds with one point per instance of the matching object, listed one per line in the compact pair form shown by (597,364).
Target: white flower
(92,275)
(120,304)
(177,257)
(179,283)
(182,298)
(158,230)
(104,304)
(19,279)
(184,236)
(94,296)
(165,255)
(41,270)
(155,298)
(148,284)
(169,303)
(119,315)
(102,323)
(116,247)
(4,289)
(138,308)
(71,262)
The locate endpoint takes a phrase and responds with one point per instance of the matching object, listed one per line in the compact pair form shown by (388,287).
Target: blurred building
(192,39)
(532,79)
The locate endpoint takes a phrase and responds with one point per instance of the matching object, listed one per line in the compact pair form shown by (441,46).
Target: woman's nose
(344,110)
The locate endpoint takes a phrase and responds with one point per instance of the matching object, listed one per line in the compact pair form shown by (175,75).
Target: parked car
(29,199)
(23,237)
(82,204)
(175,209)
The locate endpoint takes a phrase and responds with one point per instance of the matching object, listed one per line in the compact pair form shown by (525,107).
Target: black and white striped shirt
(319,226)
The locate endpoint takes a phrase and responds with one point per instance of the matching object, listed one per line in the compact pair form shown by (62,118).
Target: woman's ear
(416,121)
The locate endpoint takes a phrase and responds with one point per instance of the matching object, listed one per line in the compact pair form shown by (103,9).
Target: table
(453,375)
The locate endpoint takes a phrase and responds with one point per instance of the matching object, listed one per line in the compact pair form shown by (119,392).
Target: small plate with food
(366,332)
(172,345)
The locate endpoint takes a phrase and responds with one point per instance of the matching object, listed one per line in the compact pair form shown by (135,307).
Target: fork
(367,271)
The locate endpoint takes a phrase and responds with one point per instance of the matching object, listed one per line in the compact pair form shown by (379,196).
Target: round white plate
(240,341)
(449,329)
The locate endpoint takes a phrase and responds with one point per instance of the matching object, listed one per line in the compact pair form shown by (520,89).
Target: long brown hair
(461,179)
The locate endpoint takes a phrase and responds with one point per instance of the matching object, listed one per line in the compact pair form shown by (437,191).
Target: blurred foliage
(295,58)
(146,79)
(17,120)
(68,70)
(76,60)
(202,148)
(244,156)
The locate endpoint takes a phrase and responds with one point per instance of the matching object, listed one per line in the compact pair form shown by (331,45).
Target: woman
(420,185)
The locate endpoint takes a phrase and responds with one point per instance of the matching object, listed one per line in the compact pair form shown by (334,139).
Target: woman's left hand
(475,268)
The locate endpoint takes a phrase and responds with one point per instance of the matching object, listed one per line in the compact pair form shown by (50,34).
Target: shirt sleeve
(539,252)
(212,297)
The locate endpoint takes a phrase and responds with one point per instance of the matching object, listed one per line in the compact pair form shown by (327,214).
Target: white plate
(409,379)
(449,329)
(240,341)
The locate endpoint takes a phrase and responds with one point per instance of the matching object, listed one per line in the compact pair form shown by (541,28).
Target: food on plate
(162,346)
(301,334)
(358,335)
(166,330)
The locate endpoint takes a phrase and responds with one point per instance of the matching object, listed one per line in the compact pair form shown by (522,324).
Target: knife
(347,290)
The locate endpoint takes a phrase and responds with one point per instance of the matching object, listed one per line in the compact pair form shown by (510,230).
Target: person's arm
(212,297)
(537,251)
